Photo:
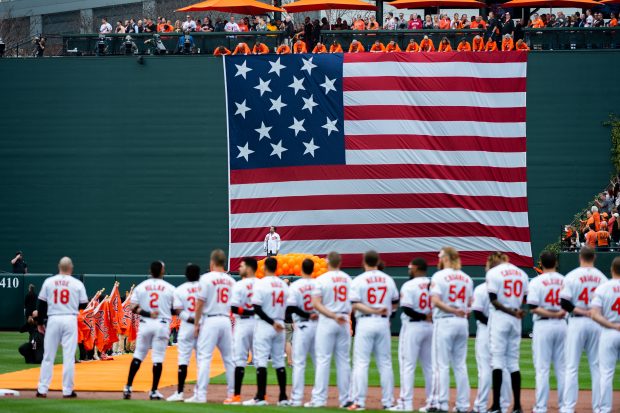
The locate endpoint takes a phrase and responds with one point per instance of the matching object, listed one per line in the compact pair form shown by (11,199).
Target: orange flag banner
(105,335)
(115,309)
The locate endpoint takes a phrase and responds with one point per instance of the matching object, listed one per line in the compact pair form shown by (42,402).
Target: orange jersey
(597,220)
(377,47)
(613,22)
(359,25)
(319,49)
(591,238)
(426,45)
(283,49)
(538,23)
(491,46)
(373,26)
(356,49)
(464,47)
(335,48)
(300,47)
(412,47)
(522,46)
(477,44)
(392,48)
(603,238)
(445,47)
(221,51)
(260,49)
(444,24)
(507,45)
(242,48)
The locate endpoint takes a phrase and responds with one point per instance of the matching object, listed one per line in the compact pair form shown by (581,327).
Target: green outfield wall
(117,163)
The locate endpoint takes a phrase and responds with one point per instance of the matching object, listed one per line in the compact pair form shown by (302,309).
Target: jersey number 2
(153,303)
(61,297)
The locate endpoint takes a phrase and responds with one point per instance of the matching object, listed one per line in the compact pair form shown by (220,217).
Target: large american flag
(403,153)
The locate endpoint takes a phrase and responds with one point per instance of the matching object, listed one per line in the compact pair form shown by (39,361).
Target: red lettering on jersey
(423,286)
(375,279)
(553,281)
(338,279)
(590,278)
(508,273)
(306,288)
(457,277)
(193,290)
(61,283)
(221,281)
(158,287)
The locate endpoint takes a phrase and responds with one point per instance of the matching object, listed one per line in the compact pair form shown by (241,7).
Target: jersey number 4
(373,297)
(61,296)
(585,295)
(616,306)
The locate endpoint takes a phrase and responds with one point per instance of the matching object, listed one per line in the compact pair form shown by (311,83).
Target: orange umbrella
(551,3)
(312,5)
(232,6)
(610,2)
(444,4)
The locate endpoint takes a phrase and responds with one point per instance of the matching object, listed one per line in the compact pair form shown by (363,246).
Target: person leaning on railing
(392,47)
(444,45)
(463,46)
(221,51)
(335,47)
(319,48)
(412,47)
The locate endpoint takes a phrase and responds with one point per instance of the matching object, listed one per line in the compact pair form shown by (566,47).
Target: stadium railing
(571,38)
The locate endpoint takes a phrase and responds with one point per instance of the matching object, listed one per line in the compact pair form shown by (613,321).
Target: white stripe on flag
(387,245)
(428,157)
(378,216)
(443,128)
(438,99)
(378,186)
(442,69)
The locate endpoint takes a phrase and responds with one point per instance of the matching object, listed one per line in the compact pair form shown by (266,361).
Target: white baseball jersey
(580,284)
(271,293)
(481,299)
(63,294)
(545,292)
(154,294)
(375,289)
(215,290)
(300,295)
(272,242)
(185,296)
(334,288)
(607,298)
(454,288)
(415,294)
(509,283)
(242,294)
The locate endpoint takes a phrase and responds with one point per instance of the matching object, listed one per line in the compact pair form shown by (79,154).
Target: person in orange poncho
(412,47)
(521,46)
(537,22)
(392,47)
(426,45)
(444,45)
(444,22)
(221,51)
(602,236)
(377,47)
(260,48)
(319,48)
(596,216)
(507,43)
(356,47)
(477,45)
(242,48)
(491,45)
(300,47)
(463,46)
(283,49)
(335,48)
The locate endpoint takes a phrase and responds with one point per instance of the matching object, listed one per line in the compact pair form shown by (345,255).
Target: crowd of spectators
(600,227)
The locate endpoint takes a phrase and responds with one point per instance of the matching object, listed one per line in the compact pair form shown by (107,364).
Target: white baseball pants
(415,343)
(214,331)
(61,330)
(609,354)
(303,345)
(548,340)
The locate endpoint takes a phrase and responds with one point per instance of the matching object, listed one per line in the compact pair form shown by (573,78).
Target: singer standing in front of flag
(272,242)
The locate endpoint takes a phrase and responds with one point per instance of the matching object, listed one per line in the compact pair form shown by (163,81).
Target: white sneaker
(194,399)
(255,402)
(313,405)
(176,397)
(156,395)
(295,404)
(423,409)
(396,408)
(284,403)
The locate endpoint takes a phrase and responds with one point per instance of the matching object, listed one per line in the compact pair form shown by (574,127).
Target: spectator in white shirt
(105,26)
(272,242)
(189,25)
(231,26)
(589,19)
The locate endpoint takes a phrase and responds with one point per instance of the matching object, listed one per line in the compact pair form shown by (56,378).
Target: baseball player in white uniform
(416,334)
(549,335)
(606,312)
(212,325)
(269,301)
(330,298)
(583,333)
(152,300)
(185,297)
(507,286)
(480,308)
(451,297)
(243,311)
(374,297)
(300,311)
(272,242)
(60,300)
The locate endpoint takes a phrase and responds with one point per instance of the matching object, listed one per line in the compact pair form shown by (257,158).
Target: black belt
(245,317)
(411,320)
(374,315)
(216,315)
(577,315)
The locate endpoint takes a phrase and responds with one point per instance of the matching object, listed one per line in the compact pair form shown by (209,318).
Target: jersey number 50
(513,287)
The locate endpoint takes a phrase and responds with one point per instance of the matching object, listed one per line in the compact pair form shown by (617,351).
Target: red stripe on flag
(387,201)
(434,84)
(434,113)
(473,57)
(436,143)
(338,172)
(402,259)
(380,230)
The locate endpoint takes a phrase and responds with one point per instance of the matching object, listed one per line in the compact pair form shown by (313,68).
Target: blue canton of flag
(284,110)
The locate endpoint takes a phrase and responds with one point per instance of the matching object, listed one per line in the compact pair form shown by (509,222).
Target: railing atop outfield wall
(206,43)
